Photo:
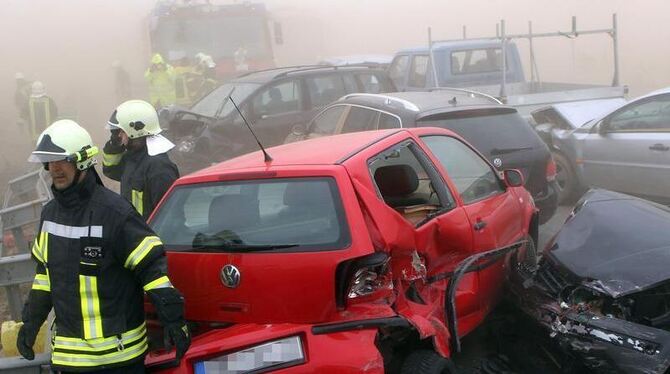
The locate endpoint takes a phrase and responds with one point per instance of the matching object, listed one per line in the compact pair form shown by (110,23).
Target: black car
(273,101)
(497,131)
(600,291)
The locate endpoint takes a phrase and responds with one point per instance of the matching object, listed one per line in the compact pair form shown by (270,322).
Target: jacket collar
(78,194)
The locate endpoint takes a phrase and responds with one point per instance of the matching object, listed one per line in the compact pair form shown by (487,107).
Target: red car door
(494,211)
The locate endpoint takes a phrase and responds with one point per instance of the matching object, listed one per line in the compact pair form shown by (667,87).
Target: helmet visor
(112,126)
(42,157)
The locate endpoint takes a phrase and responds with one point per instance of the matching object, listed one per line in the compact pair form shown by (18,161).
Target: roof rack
(407,104)
(472,93)
(317,67)
(277,68)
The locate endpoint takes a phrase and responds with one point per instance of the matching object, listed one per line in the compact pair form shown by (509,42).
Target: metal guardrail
(21,209)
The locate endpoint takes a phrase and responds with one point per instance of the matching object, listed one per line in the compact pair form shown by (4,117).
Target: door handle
(479,225)
(659,147)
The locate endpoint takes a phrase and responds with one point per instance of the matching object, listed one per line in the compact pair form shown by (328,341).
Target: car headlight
(258,359)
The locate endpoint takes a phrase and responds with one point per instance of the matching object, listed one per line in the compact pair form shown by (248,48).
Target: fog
(70,45)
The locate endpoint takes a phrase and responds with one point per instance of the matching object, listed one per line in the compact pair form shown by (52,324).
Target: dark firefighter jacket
(144,179)
(95,259)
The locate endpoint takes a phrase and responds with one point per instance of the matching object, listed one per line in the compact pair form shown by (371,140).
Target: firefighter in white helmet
(136,155)
(96,257)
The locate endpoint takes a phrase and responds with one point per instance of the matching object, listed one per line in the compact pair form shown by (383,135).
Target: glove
(115,138)
(177,334)
(113,145)
(25,341)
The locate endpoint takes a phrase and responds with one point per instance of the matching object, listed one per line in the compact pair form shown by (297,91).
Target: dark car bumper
(602,343)
(547,201)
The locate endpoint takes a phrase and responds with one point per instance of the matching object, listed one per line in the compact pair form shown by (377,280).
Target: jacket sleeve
(143,254)
(112,161)
(37,307)
(160,179)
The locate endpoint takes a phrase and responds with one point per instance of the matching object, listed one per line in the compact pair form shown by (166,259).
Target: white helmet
(65,140)
(38,89)
(137,119)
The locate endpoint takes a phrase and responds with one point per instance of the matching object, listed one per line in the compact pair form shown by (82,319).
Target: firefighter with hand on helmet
(136,155)
(96,257)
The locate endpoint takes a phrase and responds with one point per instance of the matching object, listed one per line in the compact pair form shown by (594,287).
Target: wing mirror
(513,178)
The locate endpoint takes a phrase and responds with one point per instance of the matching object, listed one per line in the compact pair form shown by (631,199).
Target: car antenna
(265,154)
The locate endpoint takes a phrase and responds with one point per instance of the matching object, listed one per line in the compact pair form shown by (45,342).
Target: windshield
(219,36)
(489,131)
(292,214)
(211,103)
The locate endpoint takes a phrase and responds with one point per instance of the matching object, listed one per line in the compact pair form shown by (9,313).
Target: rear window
(290,214)
(488,130)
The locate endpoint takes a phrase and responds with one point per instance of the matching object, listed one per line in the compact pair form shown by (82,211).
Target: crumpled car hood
(615,243)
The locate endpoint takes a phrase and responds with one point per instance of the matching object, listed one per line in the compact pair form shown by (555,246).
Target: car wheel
(566,179)
(425,362)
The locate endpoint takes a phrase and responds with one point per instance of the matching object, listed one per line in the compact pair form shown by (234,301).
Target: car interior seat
(234,212)
(398,185)
(306,199)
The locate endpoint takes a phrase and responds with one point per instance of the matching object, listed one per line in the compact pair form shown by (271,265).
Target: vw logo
(497,162)
(230,276)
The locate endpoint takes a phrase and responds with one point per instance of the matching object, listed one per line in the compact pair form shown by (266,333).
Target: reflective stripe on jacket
(42,112)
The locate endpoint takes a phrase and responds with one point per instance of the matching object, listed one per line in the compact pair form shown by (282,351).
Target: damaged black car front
(602,287)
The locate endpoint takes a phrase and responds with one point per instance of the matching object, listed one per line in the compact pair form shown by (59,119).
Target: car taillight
(363,279)
(551,170)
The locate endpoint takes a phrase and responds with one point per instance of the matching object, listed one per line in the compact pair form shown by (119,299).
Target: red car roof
(327,150)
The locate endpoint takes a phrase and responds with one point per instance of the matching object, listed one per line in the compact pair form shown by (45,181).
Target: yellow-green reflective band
(86,360)
(136,199)
(111,159)
(101,344)
(40,246)
(90,307)
(45,246)
(141,251)
(41,282)
(162,282)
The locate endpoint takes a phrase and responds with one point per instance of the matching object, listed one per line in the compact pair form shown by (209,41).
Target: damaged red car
(366,252)
(601,290)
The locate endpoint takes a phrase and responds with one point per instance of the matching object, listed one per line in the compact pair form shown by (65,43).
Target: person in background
(21,97)
(42,110)
(96,258)
(121,82)
(183,82)
(161,79)
(136,155)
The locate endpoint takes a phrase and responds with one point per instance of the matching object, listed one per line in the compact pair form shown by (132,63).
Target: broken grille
(550,279)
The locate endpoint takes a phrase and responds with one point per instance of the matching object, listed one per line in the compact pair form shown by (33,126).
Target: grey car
(626,149)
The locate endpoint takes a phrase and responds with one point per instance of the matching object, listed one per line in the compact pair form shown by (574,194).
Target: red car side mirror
(513,178)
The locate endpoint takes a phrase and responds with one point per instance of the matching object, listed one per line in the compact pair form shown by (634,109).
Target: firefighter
(206,80)
(21,97)
(136,155)
(96,257)
(183,81)
(121,81)
(161,78)
(42,110)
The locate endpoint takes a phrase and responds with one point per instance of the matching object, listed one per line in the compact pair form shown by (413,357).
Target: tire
(566,178)
(425,362)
